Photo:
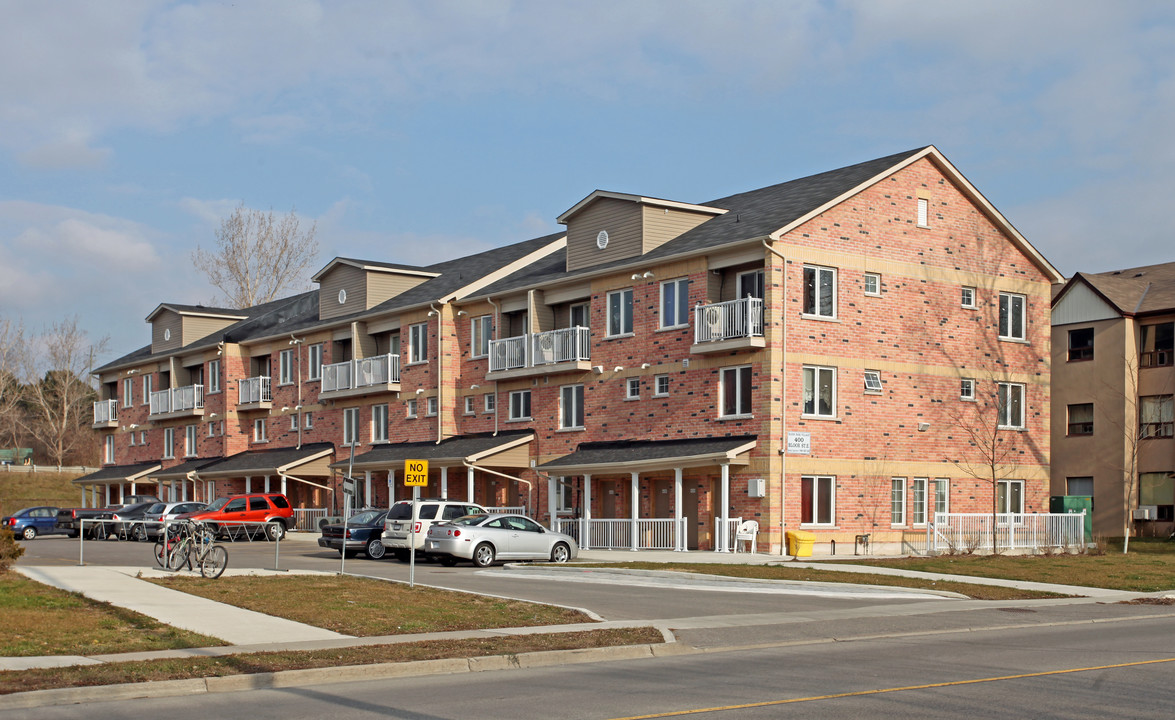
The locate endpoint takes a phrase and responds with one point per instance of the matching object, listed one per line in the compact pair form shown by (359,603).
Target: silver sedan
(485,538)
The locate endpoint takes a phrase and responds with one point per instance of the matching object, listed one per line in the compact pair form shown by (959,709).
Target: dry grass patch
(778,572)
(21,490)
(180,669)
(43,620)
(364,607)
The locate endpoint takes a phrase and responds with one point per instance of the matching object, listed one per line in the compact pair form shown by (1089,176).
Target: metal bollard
(277,544)
(81,542)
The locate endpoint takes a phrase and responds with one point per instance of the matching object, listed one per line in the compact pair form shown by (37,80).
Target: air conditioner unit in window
(1146,512)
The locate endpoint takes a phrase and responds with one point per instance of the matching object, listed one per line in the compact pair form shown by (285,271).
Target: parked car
(124,520)
(157,514)
(244,513)
(30,522)
(398,526)
(135,500)
(486,538)
(363,533)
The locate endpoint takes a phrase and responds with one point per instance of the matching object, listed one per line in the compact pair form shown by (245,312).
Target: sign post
(348,493)
(415,477)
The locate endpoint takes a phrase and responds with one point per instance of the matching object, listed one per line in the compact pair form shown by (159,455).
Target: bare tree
(12,347)
(258,256)
(58,394)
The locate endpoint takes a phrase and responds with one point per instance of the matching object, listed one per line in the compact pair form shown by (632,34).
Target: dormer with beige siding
(350,286)
(174,326)
(606,226)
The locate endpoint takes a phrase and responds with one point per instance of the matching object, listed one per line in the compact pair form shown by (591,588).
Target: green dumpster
(1075,504)
(799,543)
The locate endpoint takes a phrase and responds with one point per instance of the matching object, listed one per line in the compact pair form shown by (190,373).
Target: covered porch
(302,474)
(111,484)
(172,484)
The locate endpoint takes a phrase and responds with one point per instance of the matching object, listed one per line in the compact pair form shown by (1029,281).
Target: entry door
(663,498)
(608,490)
(689,502)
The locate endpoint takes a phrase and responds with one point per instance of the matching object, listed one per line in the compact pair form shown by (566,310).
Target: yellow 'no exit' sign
(416,473)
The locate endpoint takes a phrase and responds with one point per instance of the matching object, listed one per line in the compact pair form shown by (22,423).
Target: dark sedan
(362,532)
(33,521)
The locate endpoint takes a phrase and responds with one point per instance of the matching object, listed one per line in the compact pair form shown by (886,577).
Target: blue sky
(421,131)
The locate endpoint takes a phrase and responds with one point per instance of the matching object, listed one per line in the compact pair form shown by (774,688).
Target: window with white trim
(469,405)
(379,423)
(632,389)
(214,376)
(128,392)
(1010,496)
(923,212)
(143,437)
(314,371)
(750,284)
(109,457)
(817,500)
(520,405)
(168,443)
(1011,405)
(918,501)
(819,391)
(660,385)
(897,501)
(966,388)
(942,496)
(735,391)
(967,297)
(146,389)
(819,291)
(481,329)
(285,367)
(190,441)
(579,315)
(350,425)
(872,381)
(294,422)
(491,402)
(620,312)
(307,420)
(132,440)
(410,408)
(430,405)
(1012,319)
(260,431)
(873,284)
(418,343)
(564,496)
(675,303)
(571,407)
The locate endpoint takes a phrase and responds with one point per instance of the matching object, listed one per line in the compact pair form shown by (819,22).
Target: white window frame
(147,383)
(967,297)
(307,420)
(876,278)
(142,437)
(756,279)
(132,442)
(897,501)
(294,421)
(491,403)
(1006,394)
(410,409)
(314,371)
(571,413)
(379,423)
(584,309)
(813,374)
(213,379)
(632,388)
(351,426)
(481,330)
(918,501)
(736,376)
(660,386)
(1003,497)
(967,389)
(469,405)
(211,430)
(168,443)
(128,392)
(564,497)
(923,219)
(1008,316)
(623,301)
(675,302)
(816,481)
(942,495)
(517,399)
(418,343)
(819,272)
(285,367)
(190,441)
(260,431)
(873,384)
(110,449)
(431,406)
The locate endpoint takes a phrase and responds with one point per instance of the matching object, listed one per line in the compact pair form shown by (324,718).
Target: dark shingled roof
(180,471)
(454,449)
(262,461)
(115,473)
(1142,290)
(620,452)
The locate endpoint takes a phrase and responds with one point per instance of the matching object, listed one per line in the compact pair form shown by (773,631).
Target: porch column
(367,489)
(133,487)
(679,531)
(121,493)
(266,483)
(184,490)
(634,510)
(107,495)
(248,484)
(724,521)
(444,481)
(552,506)
(171,492)
(392,486)
(586,535)
(83,496)
(283,484)
(469,485)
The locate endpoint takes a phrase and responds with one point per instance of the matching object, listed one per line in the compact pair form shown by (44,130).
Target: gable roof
(1145,290)
(374,265)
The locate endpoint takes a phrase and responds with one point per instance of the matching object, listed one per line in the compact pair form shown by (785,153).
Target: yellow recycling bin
(799,543)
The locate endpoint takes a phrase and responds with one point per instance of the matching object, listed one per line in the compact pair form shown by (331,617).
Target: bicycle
(195,546)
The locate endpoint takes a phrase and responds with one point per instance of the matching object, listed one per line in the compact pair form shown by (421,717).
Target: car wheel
(375,549)
(449,561)
(139,533)
(71,533)
(29,533)
(560,553)
(403,555)
(275,531)
(483,555)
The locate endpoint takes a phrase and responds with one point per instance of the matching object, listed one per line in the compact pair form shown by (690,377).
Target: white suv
(397,536)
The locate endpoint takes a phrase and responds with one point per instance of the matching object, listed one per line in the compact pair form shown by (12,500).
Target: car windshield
(364,518)
(217,504)
(156,508)
(469,520)
(400,511)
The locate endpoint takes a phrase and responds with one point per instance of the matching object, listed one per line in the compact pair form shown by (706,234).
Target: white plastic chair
(748,532)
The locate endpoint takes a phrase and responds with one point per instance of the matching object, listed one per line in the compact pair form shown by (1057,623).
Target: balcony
(545,353)
(187,401)
(254,394)
(726,326)
(360,377)
(106,414)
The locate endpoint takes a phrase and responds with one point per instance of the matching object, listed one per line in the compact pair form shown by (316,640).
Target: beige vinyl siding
(714,287)
(517,457)
(195,327)
(364,344)
(663,224)
(383,286)
(167,320)
(622,221)
(342,277)
(543,317)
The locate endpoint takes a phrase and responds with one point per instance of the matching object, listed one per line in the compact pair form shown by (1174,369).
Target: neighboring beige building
(1113,418)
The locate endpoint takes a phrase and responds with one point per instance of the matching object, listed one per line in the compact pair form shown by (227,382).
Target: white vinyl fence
(617,533)
(1014,532)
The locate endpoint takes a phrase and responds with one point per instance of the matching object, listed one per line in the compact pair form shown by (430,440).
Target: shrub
(9,550)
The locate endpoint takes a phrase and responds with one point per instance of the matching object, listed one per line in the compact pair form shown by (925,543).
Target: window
(564,496)
(675,303)
(819,391)
(872,284)
(1011,406)
(897,501)
(819,291)
(293,422)
(750,284)
(379,423)
(314,371)
(146,389)
(469,405)
(481,329)
(213,376)
(1156,416)
(142,437)
(579,315)
(967,297)
(307,420)
(872,381)
(817,500)
(918,501)
(1011,316)
(735,390)
(967,389)
(128,391)
(1081,486)
(190,441)
(632,389)
(660,385)
(1081,344)
(571,407)
(1158,489)
(211,430)
(520,405)
(620,312)
(410,408)
(1010,496)
(109,449)
(1158,345)
(491,402)
(168,443)
(418,343)
(260,432)
(430,405)
(285,367)
(1081,419)
(942,496)
(132,440)
(923,212)
(351,426)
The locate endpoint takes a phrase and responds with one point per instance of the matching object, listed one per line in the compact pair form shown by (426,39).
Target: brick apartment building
(644,370)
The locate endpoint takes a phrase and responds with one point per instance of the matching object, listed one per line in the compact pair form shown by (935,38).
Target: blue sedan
(31,522)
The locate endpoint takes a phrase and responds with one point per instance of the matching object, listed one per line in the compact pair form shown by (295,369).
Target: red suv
(244,513)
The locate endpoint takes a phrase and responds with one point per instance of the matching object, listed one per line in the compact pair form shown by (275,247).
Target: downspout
(783,413)
(191,476)
(528,483)
(497,322)
(440,374)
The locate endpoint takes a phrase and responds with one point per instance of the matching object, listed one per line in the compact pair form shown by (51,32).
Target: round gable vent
(602,239)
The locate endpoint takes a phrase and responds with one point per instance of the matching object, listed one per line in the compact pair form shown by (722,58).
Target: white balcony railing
(105,411)
(727,320)
(545,348)
(365,372)
(189,397)
(254,390)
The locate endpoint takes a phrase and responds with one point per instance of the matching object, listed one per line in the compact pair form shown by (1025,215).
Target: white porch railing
(361,373)
(1031,532)
(546,348)
(725,320)
(731,526)
(306,519)
(512,509)
(189,397)
(105,411)
(253,390)
(617,533)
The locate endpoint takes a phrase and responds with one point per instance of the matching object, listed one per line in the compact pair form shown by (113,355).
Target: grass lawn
(364,607)
(775,572)
(42,620)
(21,490)
(199,667)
